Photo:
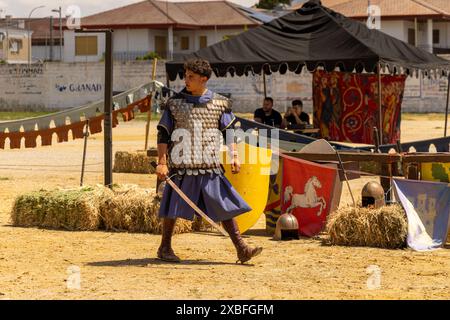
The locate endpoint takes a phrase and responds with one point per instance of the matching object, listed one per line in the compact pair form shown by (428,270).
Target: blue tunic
(212,193)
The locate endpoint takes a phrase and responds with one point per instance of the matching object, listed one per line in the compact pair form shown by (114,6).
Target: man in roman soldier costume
(190,134)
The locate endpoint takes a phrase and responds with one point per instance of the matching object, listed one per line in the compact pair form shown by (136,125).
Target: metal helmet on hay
(287,227)
(373,195)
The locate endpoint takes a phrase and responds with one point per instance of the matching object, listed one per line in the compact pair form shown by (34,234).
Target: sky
(22,8)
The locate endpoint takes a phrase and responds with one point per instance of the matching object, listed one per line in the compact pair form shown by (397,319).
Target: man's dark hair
(199,66)
(268,99)
(297,102)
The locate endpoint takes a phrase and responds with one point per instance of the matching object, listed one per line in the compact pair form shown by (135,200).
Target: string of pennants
(77,128)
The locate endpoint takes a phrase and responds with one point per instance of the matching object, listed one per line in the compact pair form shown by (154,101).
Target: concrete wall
(395,29)
(42,53)
(65,85)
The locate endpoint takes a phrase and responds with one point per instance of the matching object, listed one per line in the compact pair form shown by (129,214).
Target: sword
(192,204)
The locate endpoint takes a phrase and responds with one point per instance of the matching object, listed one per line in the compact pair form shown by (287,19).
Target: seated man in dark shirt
(295,117)
(268,115)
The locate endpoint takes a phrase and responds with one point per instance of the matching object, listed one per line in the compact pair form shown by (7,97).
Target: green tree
(270,4)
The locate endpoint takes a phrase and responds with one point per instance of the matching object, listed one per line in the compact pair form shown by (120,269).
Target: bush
(149,56)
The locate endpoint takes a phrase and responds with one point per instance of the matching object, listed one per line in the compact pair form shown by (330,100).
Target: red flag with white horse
(307,192)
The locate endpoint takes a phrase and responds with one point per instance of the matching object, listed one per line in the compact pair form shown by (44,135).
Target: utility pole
(108,100)
(60,31)
(7,19)
(29,36)
(51,38)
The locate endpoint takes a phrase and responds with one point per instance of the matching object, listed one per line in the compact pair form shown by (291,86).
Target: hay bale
(201,225)
(134,162)
(136,210)
(386,227)
(125,208)
(69,209)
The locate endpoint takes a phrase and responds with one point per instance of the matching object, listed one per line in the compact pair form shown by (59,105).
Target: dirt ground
(36,263)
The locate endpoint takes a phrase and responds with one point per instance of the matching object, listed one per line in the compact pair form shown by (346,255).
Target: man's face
(267,105)
(298,109)
(194,82)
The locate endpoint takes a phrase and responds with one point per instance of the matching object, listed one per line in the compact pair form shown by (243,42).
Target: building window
(86,46)
(184,43)
(412,37)
(161,46)
(15,45)
(203,42)
(436,36)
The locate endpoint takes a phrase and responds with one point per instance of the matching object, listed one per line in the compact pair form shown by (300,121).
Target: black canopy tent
(312,37)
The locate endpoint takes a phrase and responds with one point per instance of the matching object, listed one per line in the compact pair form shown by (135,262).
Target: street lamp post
(60,31)
(29,37)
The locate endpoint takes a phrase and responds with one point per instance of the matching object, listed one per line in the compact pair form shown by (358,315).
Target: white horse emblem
(307,200)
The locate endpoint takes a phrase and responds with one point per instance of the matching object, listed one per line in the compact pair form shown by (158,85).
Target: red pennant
(128,113)
(30,139)
(63,133)
(2,140)
(15,138)
(95,124)
(143,104)
(115,121)
(46,136)
(78,129)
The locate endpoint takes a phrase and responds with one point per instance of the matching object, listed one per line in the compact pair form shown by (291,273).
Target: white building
(14,41)
(168,29)
(423,23)
(45,36)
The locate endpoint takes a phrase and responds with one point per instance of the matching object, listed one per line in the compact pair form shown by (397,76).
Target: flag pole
(380,115)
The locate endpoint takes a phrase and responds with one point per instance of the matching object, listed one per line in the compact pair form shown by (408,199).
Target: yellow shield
(252,182)
(439,172)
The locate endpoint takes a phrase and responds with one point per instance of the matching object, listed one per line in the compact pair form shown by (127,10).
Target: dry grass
(386,227)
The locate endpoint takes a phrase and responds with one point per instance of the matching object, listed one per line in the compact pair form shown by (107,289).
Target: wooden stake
(149,114)
(86,135)
(346,179)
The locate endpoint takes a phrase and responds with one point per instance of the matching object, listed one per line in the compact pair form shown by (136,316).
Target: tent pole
(380,122)
(265,87)
(446,106)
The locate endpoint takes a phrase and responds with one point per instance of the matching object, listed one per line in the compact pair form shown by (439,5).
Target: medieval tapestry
(346,106)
